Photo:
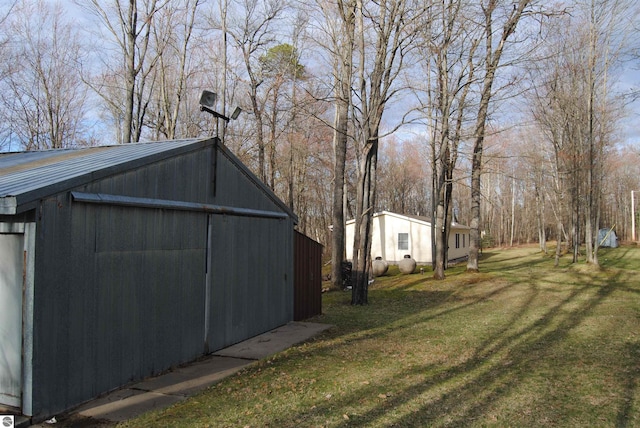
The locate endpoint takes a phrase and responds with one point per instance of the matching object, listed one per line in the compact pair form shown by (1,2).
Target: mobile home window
(403,241)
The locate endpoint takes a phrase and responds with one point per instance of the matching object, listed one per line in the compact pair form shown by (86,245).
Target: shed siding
(119,291)
(237,187)
(252,289)
(307,290)
(183,178)
(117,313)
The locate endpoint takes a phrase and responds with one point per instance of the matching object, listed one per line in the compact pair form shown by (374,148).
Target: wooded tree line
(502,115)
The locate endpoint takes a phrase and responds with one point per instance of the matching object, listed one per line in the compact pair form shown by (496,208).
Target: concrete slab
(172,387)
(273,341)
(134,404)
(195,377)
(161,391)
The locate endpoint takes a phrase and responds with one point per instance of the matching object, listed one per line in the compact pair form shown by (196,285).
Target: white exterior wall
(419,238)
(463,242)
(387,226)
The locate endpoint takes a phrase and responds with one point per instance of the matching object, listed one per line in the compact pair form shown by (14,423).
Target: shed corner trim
(8,205)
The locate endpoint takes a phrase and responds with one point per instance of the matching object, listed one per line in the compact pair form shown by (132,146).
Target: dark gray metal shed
(119,262)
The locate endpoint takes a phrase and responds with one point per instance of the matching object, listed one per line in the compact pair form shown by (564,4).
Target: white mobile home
(395,235)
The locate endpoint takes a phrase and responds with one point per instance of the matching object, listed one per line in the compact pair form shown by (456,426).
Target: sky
(629,81)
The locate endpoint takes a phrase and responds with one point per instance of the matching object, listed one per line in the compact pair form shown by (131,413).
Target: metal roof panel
(22,173)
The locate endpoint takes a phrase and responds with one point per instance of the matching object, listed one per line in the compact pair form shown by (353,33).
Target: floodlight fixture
(207,103)
(208,99)
(236,113)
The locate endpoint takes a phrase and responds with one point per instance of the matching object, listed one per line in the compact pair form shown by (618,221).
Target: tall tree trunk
(364,200)
(440,235)
(474,227)
(441,194)
(559,243)
(363,233)
(492,61)
(225,48)
(273,137)
(130,71)
(513,209)
(257,111)
(540,206)
(575,220)
(338,214)
(374,88)
(343,69)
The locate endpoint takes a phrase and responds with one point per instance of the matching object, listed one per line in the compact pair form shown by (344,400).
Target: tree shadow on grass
(374,320)
(620,258)
(629,381)
(516,263)
(468,391)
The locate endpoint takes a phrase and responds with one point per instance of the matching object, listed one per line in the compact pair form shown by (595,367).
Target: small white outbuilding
(395,235)
(607,238)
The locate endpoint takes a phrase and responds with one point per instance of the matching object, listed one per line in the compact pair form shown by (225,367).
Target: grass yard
(520,344)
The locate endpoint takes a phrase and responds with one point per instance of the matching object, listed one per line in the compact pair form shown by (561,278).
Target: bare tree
(251,26)
(404,177)
(124,84)
(338,26)
(44,104)
(311,159)
(172,36)
(450,41)
(575,110)
(5,32)
(297,117)
(607,37)
(388,26)
(494,50)
(343,76)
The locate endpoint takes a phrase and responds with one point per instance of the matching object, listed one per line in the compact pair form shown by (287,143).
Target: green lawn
(520,344)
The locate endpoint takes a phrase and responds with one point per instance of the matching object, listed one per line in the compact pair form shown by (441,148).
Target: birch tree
(494,47)
(450,43)
(574,107)
(337,24)
(383,33)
